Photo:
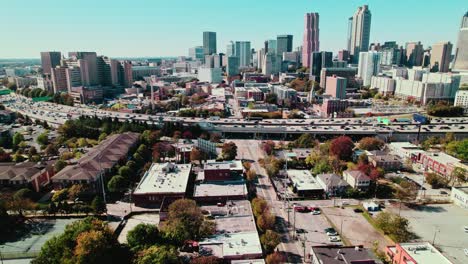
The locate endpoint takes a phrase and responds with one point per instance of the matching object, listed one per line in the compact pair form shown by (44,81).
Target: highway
(58,114)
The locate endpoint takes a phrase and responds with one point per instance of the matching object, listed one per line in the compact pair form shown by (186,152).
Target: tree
(459,175)
(125,172)
(142,236)
(32,152)
(266,221)
(268,147)
(459,149)
(342,147)
(43,139)
(270,240)
(51,150)
(158,255)
(98,205)
(60,195)
(323,166)
(17,139)
(395,226)
(195,155)
(102,136)
(59,165)
(229,151)
(259,206)
(371,143)
(407,191)
(24,193)
(185,221)
(305,141)
(95,246)
(117,184)
(435,180)
(271,98)
(251,175)
(75,191)
(276,258)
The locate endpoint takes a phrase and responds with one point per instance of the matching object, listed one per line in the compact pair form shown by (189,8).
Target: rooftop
(220,189)
(303,180)
(165,178)
(232,245)
(102,157)
(331,180)
(441,157)
(462,188)
(228,164)
(341,255)
(357,175)
(24,171)
(424,253)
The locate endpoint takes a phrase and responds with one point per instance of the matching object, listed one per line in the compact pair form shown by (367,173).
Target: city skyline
(102,27)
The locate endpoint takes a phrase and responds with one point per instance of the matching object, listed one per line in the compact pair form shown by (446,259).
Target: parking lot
(355,228)
(442,224)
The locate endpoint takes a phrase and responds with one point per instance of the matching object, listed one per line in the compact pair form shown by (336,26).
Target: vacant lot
(442,224)
(355,228)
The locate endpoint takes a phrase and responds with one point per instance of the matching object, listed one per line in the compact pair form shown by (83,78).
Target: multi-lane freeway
(58,114)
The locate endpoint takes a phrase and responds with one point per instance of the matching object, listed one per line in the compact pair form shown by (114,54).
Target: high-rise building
(272,45)
(50,60)
(311,37)
(440,56)
(230,49)
(460,62)
(360,32)
(350,31)
(284,44)
(336,86)
(209,42)
(59,79)
(271,63)
(232,67)
(90,61)
(197,53)
(211,75)
(414,54)
(107,71)
(125,73)
(319,60)
(369,65)
(243,51)
(343,55)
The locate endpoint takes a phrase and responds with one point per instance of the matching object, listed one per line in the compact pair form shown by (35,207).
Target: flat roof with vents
(303,180)
(164,178)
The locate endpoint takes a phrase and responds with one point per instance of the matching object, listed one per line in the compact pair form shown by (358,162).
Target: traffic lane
(314,227)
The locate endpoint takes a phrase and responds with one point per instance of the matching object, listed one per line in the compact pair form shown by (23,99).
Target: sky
(151,28)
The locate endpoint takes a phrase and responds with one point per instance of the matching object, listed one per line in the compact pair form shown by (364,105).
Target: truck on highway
(422,119)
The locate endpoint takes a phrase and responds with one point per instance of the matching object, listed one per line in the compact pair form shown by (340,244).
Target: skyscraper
(90,59)
(414,54)
(311,37)
(272,45)
(243,51)
(49,60)
(230,49)
(209,42)
(440,56)
(232,67)
(360,32)
(284,44)
(319,60)
(460,62)
(369,65)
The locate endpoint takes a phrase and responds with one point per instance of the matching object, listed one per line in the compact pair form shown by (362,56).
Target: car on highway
(315,210)
(331,231)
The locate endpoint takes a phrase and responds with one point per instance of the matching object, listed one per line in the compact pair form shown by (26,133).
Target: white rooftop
(303,180)
(441,157)
(165,178)
(425,253)
(233,164)
(210,189)
(234,244)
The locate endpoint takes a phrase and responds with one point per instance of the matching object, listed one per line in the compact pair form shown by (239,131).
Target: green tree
(43,139)
(98,205)
(305,141)
(95,246)
(270,240)
(186,222)
(59,165)
(17,139)
(158,255)
(271,98)
(102,136)
(24,193)
(117,184)
(51,150)
(143,236)
(125,172)
(60,195)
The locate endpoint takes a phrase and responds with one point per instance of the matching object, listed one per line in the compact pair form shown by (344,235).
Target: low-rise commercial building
(439,162)
(338,255)
(459,196)
(304,183)
(163,181)
(415,253)
(461,99)
(405,150)
(387,162)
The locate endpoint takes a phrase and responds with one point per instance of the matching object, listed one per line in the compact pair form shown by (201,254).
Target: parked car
(358,210)
(316,211)
(301,209)
(301,231)
(331,231)
(334,239)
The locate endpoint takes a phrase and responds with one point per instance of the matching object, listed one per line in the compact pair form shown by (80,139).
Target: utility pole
(294,225)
